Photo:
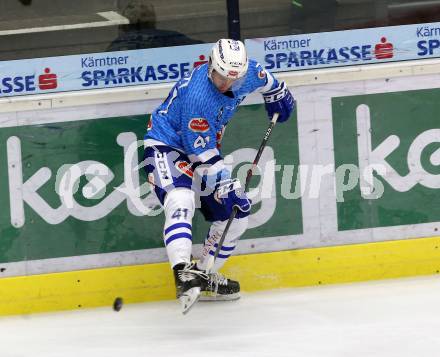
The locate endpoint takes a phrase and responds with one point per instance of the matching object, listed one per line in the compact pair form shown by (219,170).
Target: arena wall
(80,226)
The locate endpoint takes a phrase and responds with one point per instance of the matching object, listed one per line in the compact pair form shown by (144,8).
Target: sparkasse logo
(384,49)
(47,80)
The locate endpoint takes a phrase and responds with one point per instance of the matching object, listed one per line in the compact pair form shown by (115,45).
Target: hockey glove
(279,100)
(230,194)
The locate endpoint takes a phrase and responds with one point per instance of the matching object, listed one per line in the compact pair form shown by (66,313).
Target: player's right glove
(230,194)
(279,100)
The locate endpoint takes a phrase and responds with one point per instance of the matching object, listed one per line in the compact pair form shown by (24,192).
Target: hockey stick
(246,186)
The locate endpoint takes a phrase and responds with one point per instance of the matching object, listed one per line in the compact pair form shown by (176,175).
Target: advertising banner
(169,64)
(347,48)
(398,157)
(99,70)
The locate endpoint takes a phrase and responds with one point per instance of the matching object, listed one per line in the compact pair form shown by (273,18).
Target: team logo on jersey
(199,125)
(261,74)
(184,168)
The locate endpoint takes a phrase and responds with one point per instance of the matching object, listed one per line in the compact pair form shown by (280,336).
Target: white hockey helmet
(228,58)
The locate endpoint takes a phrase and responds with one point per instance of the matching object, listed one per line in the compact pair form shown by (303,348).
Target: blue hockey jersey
(193,116)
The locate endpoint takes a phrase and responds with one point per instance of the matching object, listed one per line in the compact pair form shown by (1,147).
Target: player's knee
(236,230)
(179,204)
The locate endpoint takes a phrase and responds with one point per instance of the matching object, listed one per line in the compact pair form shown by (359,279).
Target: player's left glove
(230,194)
(279,100)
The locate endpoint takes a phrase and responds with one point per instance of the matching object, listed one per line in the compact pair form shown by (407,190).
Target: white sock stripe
(177,230)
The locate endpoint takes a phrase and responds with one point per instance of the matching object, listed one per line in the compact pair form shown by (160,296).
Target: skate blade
(189,298)
(210,296)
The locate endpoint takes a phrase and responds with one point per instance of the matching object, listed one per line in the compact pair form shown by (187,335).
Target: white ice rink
(394,318)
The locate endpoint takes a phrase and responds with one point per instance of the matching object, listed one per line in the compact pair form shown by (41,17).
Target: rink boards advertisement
(347,190)
(161,65)
(397,136)
(352,166)
(75,187)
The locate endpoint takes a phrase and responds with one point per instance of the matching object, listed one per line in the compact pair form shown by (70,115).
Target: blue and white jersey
(193,117)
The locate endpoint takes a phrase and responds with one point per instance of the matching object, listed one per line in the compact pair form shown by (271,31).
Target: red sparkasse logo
(202,60)
(199,125)
(184,168)
(384,49)
(47,80)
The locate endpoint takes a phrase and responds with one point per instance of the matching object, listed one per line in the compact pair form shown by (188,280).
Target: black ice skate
(188,284)
(219,288)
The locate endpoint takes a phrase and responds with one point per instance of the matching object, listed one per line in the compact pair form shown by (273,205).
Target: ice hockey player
(181,144)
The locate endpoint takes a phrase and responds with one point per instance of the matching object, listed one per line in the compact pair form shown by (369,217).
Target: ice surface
(377,319)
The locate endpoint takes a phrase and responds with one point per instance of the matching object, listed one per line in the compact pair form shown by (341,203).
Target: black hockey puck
(117,304)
